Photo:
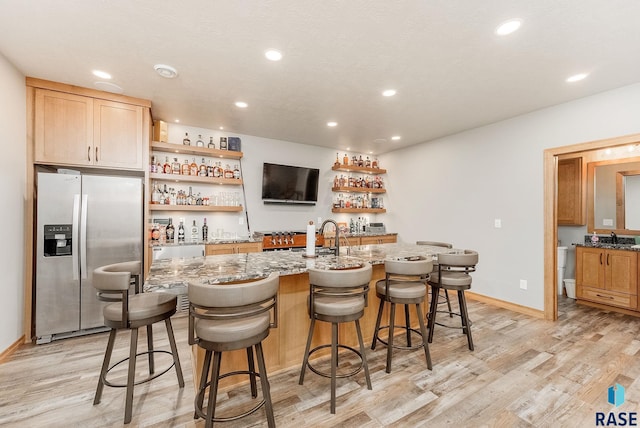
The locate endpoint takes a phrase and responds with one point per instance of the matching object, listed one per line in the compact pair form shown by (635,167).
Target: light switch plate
(497,223)
(607,222)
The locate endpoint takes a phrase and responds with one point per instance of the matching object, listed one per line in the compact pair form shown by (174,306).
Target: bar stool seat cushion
(233,330)
(338,306)
(451,280)
(142,306)
(402,289)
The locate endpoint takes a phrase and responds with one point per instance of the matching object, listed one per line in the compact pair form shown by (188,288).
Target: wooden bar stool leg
(105,366)
(392,320)
(133,350)
(377,328)
(266,388)
(213,388)
(305,360)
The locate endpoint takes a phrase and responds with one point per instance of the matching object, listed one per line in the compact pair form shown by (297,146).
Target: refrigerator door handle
(83,237)
(75,227)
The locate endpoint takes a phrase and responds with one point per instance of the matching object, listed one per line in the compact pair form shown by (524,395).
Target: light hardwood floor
(524,372)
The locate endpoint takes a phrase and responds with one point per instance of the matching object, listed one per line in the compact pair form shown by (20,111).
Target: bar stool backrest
(234,294)
(421,266)
(340,278)
(465,261)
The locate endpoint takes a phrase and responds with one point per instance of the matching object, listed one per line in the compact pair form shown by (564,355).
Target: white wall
(13,177)
(453,188)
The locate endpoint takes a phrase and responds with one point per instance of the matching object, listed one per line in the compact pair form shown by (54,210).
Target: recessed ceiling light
(508,27)
(101,74)
(395,137)
(109,87)
(273,55)
(221,128)
(177,121)
(332,124)
(165,71)
(576,77)
(241,104)
(389,92)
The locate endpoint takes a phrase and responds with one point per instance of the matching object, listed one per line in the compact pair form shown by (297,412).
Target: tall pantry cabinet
(75,127)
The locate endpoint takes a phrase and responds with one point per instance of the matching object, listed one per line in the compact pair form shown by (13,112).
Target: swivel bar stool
(337,296)
(131,312)
(404,284)
(226,317)
(435,267)
(453,274)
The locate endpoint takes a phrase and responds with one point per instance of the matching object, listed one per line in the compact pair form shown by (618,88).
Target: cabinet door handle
(606,297)
(608,259)
(96,154)
(89,153)
(600,258)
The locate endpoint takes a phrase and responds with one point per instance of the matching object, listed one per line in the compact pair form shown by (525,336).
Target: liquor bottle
(164,196)
(199,142)
(202,169)
(186,141)
(193,167)
(354,160)
(228,172)
(181,232)
(345,160)
(155,194)
(152,165)
(223,143)
(336,182)
(166,168)
(337,162)
(190,198)
(367,162)
(184,169)
(236,172)
(211,144)
(360,161)
(155,232)
(374,164)
(175,166)
(172,196)
(205,231)
(170,231)
(159,166)
(194,232)
(210,169)
(218,172)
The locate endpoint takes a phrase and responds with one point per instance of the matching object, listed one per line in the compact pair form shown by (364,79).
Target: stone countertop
(210,242)
(178,272)
(609,246)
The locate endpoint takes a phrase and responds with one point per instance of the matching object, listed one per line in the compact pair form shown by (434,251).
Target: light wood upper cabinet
(570,192)
(233,248)
(63,128)
(77,130)
(118,134)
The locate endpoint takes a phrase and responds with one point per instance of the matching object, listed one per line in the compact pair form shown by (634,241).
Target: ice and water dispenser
(57,240)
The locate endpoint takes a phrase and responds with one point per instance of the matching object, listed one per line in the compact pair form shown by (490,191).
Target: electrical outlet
(497,223)
(241,220)
(523,284)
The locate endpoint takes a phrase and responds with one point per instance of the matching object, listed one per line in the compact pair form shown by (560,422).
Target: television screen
(287,184)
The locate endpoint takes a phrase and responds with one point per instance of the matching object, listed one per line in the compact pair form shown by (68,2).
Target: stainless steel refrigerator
(83,221)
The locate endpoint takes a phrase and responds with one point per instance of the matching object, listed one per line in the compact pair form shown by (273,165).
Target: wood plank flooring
(524,372)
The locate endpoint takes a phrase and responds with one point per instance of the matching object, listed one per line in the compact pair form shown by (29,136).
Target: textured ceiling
(450,70)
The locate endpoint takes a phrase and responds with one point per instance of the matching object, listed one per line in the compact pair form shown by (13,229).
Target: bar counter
(284,348)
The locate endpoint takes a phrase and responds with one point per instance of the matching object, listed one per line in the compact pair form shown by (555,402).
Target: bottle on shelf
(186,141)
(205,231)
(155,232)
(228,172)
(236,172)
(223,143)
(199,142)
(193,167)
(170,231)
(194,232)
(360,161)
(217,170)
(210,169)
(367,162)
(155,194)
(211,144)
(181,232)
(164,196)
(191,199)
(175,166)
(374,164)
(337,162)
(184,168)
(354,160)
(167,168)
(202,169)
(336,181)
(153,167)
(345,160)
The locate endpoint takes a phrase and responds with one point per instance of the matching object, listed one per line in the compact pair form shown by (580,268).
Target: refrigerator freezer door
(113,233)
(57,294)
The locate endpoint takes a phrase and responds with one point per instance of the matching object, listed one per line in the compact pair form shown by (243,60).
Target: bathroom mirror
(613,196)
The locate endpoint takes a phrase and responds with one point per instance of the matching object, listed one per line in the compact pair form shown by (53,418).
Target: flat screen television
(286,184)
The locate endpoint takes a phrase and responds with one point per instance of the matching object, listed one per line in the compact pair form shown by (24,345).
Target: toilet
(562,264)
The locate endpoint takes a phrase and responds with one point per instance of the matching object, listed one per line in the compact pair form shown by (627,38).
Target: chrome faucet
(321,231)
(614,238)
